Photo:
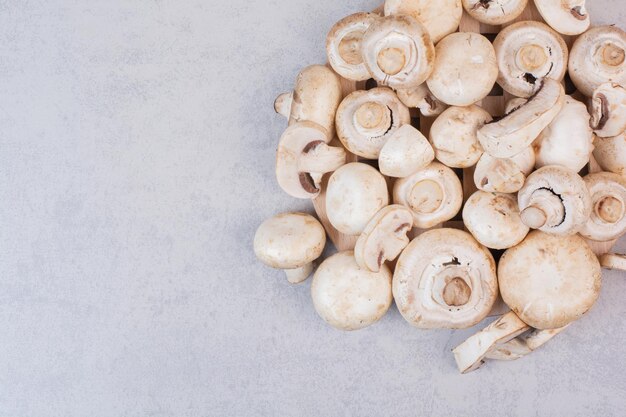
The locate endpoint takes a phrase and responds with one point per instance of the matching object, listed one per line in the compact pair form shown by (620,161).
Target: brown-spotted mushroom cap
(548,280)
(445,279)
(440,18)
(608,110)
(494,12)
(608,199)
(504,175)
(610,153)
(348,297)
(290,241)
(421,97)
(405,152)
(568,17)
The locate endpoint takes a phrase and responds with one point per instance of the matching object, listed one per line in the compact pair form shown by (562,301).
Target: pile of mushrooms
(543,185)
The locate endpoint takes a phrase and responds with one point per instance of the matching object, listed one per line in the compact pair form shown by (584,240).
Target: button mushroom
(608,110)
(465,69)
(494,12)
(608,199)
(348,297)
(440,18)
(366,119)
(433,194)
(568,17)
(504,175)
(420,97)
(445,279)
(610,153)
(290,241)
(405,152)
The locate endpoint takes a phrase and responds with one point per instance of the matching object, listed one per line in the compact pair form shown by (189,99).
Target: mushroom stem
(533,217)
(282,104)
(523,344)
(545,208)
(298,275)
(321,158)
(426,196)
(613,261)
(610,209)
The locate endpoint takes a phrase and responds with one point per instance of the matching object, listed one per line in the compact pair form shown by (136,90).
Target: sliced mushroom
(303,157)
(524,344)
(465,69)
(440,18)
(510,135)
(453,135)
(555,200)
(608,110)
(597,57)
(568,17)
(610,153)
(445,279)
(290,241)
(433,194)
(527,53)
(384,237)
(420,97)
(348,297)
(398,52)
(494,220)
(504,175)
(548,280)
(608,199)
(494,12)
(355,193)
(367,119)
(405,152)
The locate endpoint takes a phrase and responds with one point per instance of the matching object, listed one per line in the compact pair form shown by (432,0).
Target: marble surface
(137,144)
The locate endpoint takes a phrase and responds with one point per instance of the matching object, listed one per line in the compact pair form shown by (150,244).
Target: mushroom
(597,57)
(613,261)
(494,220)
(494,12)
(398,51)
(440,18)
(315,98)
(549,281)
(504,175)
(355,192)
(434,195)
(513,133)
(453,135)
(303,157)
(567,140)
(405,152)
(608,110)
(608,199)
(445,279)
(465,69)
(348,297)
(384,237)
(290,241)
(555,200)
(568,17)
(528,52)
(366,119)
(420,97)
(610,153)
(343,46)
(524,344)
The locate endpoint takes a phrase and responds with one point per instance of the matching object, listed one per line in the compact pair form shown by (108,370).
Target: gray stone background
(137,145)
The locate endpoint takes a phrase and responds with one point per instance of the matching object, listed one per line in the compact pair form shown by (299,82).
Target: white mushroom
(597,57)
(453,135)
(527,53)
(524,344)
(568,17)
(610,153)
(355,193)
(420,97)
(513,133)
(367,119)
(494,219)
(398,52)
(405,152)
(434,195)
(504,175)
(290,241)
(465,69)
(555,200)
(608,199)
(613,261)
(384,237)
(494,12)
(608,110)
(440,18)
(445,279)
(343,46)
(348,297)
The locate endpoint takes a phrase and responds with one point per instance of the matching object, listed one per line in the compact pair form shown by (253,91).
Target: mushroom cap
(445,279)
(355,192)
(398,51)
(453,135)
(405,152)
(365,120)
(568,17)
(433,194)
(504,175)
(608,199)
(610,153)
(608,110)
(348,297)
(597,57)
(384,237)
(440,19)
(528,52)
(567,140)
(343,46)
(465,69)
(494,12)
(289,240)
(420,97)
(549,281)
(494,219)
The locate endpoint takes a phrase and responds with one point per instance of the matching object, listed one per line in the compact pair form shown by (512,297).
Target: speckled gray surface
(137,143)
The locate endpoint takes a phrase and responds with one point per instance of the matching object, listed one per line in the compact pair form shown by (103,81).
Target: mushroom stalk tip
(282,104)
(613,261)
(299,275)
(533,217)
